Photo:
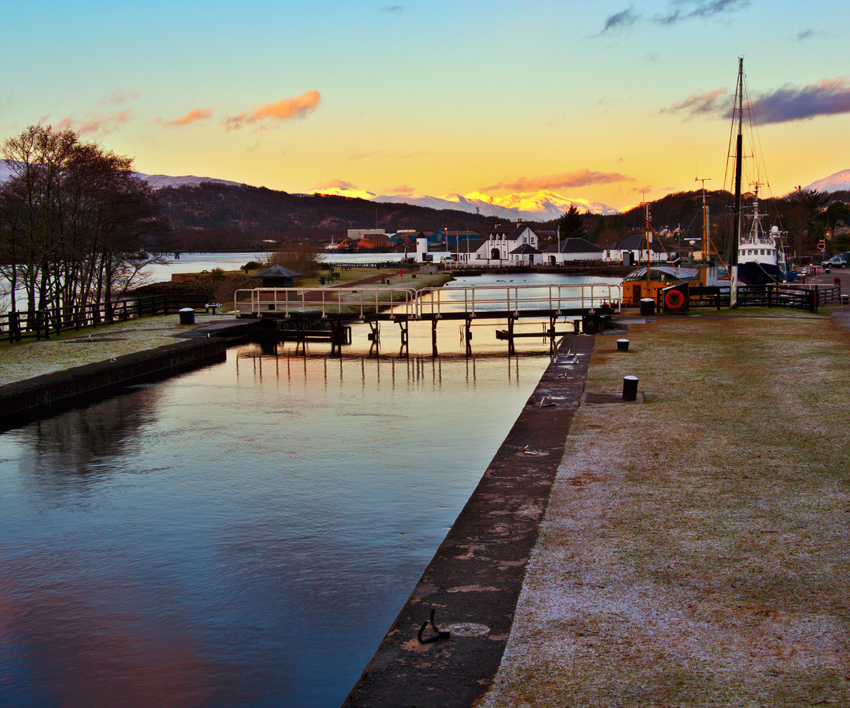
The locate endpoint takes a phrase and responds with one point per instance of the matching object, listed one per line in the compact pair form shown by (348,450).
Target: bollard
(187,315)
(647,306)
(630,384)
(622,345)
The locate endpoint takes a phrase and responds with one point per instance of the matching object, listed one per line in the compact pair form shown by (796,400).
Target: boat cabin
(636,286)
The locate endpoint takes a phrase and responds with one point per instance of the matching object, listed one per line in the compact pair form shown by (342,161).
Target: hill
(237,216)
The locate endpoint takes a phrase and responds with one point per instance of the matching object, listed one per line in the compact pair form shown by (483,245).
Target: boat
(759,255)
(649,280)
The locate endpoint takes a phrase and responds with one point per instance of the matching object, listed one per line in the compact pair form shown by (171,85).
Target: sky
(606,100)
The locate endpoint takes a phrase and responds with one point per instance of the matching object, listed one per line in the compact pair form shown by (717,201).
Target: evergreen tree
(571,224)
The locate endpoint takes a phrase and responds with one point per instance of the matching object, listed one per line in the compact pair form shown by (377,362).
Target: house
(572,249)
(524,254)
(466,250)
(277,277)
(632,250)
(514,244)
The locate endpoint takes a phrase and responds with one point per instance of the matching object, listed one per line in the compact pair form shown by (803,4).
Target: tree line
(73,219)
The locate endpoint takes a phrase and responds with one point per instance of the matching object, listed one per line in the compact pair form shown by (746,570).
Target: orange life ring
(672,295)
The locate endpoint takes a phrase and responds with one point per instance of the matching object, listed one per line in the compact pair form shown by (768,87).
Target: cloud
(699,104)
(789,103)
(683,10)
(99,118)
(804,35)
(626,18)
(284,109)
(392,8)
(102,123)
(402,189)
(365,155)
(117,97)
(192,116)
(827,97)
(677,11)
(335,184)
(581,178)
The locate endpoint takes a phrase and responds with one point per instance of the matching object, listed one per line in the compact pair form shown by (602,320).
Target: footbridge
(312,314)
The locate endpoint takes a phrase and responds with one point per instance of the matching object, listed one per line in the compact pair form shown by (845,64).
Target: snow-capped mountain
(155,181)
(834,183)
(5,171)
(162,181)
(544,205)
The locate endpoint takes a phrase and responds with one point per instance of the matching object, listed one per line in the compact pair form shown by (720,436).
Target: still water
(242,535)
(198,262)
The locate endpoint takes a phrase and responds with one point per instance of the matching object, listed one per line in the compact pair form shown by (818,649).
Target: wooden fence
(41,324)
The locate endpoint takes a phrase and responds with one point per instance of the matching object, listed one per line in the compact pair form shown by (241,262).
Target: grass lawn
(695,549)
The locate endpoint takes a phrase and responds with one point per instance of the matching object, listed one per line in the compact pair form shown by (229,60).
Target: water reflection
(238,536)
(70,451)
(278,364)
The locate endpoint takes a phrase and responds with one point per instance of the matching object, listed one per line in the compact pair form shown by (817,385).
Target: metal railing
(518,298)
(427,302)
(357,302)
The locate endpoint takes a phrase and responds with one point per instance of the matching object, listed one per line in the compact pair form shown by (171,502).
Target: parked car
(838,261)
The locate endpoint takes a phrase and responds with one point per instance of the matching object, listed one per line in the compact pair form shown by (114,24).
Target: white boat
(761,254)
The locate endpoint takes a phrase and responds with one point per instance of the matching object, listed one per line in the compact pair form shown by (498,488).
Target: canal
(245,534)
(242,535)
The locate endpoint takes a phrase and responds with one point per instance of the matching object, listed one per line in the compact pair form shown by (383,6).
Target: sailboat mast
(736,239)
(648,237)
(705,227)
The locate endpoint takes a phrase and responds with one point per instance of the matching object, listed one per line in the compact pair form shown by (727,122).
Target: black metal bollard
(187,316)
(630,385)
(622,345)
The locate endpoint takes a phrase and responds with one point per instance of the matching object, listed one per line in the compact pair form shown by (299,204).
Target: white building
(507,245)
(632,250)
(357,234)
(572,249)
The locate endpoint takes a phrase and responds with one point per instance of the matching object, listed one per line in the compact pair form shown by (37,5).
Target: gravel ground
(30,357)
(695,549)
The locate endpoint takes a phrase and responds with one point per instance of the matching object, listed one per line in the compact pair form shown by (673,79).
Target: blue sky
(610,101)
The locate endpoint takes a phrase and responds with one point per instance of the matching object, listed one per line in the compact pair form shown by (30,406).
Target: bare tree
(72,219)
(303,258)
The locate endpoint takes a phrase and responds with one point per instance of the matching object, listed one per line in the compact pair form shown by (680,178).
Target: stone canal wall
(473,582)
